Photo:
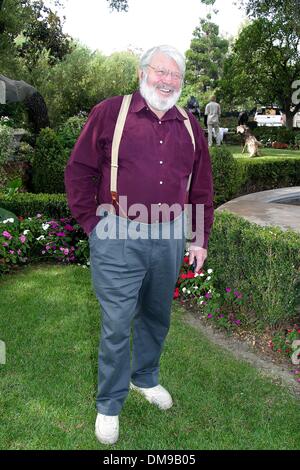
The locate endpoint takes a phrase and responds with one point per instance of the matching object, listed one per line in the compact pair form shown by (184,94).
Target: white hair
(170,51)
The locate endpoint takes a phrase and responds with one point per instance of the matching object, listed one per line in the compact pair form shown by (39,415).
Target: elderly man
(136,156)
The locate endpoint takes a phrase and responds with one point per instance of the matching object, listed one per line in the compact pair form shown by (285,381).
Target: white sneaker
(157,395)
(107,428)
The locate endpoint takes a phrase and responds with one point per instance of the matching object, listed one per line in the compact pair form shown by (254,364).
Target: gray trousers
(134,280)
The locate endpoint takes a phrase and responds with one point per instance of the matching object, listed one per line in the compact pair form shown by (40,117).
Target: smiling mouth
(165,91)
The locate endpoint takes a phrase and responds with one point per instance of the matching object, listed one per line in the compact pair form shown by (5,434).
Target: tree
(264,64)
(205,58)
(42,31)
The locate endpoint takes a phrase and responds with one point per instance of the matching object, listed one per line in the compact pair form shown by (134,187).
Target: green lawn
(49,322)
(265,152)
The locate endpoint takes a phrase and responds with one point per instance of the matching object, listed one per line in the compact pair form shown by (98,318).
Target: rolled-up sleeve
(83,170)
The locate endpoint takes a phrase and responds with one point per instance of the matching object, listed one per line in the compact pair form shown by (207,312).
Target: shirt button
(161,182)
(159,122)
(161,162)
(161,142)
(159,204)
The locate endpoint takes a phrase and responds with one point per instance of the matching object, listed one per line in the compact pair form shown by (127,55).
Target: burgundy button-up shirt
(156,157)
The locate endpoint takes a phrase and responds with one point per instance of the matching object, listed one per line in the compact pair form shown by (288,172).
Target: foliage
(40,238)
(68,132)
(49,161)
(205,58)
(247,255)
(282,342)
(6,143)
(26,204)
(228,175)
(264,63)
(82,80)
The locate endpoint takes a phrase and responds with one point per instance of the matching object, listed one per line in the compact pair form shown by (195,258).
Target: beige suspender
(117,139)
(188,125)
(116,144)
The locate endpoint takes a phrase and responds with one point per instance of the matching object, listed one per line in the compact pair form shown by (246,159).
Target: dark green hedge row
(235,176)
(268,173)
(28,205)
(261,262)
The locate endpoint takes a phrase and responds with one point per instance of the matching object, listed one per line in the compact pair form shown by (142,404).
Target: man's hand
(200,254)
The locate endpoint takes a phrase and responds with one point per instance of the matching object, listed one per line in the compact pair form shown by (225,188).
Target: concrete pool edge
(261,208)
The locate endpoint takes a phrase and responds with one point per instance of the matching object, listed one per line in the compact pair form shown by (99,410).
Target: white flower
(195,287)
(11,221)
(184,290)
(29,218)
(209,271)
(25,232)
(40,238)
(188,291)
(208,278)
(45,226)
(202,302)
(88,263)
(196,275)
(201,274)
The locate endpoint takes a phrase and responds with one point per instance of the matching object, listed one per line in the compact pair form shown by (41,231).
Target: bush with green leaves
(69,132)
(228,174)
(49,161)
(6,143)
(26,204)
(263,262)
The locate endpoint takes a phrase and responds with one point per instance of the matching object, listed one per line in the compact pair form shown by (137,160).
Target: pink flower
(6,234)
(22,239)
(19,252)
(38,216)
(12,252)
(4,244)
(66,251)
(208,295)
(228,289)
(68,227)
(209,315)
(60,234)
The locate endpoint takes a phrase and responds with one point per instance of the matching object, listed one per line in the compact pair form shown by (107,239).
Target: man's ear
(140,74)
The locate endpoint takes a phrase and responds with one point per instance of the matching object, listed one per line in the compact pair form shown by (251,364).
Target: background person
(213,113)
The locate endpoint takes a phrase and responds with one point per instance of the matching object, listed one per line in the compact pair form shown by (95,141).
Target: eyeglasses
(163,73)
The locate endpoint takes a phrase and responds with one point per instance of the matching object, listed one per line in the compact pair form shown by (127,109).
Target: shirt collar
(139,103)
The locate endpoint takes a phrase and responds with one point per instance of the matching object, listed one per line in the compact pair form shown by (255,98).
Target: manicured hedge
(268,173)
(28,205)
(261,262)
(235,176)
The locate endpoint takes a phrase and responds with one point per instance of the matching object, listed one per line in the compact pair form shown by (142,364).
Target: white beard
(150,95)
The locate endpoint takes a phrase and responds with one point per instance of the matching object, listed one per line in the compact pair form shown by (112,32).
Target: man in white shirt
(213,113)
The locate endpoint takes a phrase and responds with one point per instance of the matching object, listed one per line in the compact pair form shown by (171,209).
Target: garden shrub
(263,262)
(268,173)
(68,132)
(27,204)
(49,162)
(267,135)
(6,143)
(227,174)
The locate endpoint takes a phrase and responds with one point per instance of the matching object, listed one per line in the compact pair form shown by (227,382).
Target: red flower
(190,275)
(176,293)
(183,276)
(186,259)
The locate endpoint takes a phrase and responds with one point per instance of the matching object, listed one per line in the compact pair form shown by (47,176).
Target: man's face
(161,84)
